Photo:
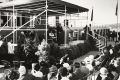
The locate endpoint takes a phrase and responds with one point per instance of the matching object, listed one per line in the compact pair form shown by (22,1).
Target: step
(98,44)
(101,45)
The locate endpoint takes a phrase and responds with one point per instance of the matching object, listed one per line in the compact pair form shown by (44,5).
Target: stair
(100,45)
(100,41)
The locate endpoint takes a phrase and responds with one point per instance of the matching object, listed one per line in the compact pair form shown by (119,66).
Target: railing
(96,40)
(93,75)
(102,38)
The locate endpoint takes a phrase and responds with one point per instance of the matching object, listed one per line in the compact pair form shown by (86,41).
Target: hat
(66,65)
(22,70)
(111,51)
(103,70)
(53,69)
(91,57)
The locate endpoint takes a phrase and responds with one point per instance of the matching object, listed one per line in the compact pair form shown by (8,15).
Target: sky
(103,10)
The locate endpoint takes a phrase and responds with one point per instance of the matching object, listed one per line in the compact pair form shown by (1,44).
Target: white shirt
(1,42)
(37,73)
(65,78)
(10,48)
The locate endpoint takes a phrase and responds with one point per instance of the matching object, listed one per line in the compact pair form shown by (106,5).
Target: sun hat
(103,71)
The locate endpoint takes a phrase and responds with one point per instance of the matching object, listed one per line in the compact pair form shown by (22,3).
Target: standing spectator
(36,71)
(10,47)
(104,74)
(80,71)
(52,75)
(64,74)
(22,72)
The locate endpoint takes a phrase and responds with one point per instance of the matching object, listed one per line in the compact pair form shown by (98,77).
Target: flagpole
(117,29)
(92,23)
(117,22)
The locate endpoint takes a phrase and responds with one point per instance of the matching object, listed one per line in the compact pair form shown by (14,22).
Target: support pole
(46,19)
(23,25)
(6,23)
(16,28)
(87,28)
(78,26)
(13,25)
(0,19)
(20,20)
(7,19)
(65,41)
(117,22)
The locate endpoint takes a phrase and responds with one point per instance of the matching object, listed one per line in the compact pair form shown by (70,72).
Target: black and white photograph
(59,40)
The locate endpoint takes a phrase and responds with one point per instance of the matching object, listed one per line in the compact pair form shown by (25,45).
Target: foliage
(75,51)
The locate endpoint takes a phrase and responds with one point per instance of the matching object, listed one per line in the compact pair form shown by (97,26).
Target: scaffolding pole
(78,26)
(16,28)
(23,25)
(5,24)
(65,41)
(46,19)
(13,26)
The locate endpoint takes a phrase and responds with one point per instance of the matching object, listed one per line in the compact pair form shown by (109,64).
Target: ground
(89,53)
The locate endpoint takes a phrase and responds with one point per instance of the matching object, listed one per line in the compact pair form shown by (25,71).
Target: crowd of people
(110,35)
(47,67)
(39,62)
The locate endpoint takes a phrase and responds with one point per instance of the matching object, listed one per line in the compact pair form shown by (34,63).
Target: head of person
(53,69)
(67,66)
(63,72)
(111,51)
(77,65)
(22,70)
(37,67)
(117,62)
(82,63)
(105,51)
(103,72)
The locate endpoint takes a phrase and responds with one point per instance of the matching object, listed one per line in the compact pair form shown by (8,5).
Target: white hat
(22,70)
(88,60)
(103,70)
(66,65)
(91,57)
(111,51)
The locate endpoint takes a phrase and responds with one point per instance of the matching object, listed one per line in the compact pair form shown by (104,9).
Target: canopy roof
(34,6)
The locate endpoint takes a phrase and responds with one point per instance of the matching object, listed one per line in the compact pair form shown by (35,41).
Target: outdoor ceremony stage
(31,11)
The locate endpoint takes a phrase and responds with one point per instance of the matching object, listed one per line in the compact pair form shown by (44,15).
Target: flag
(116,13)
(92,15)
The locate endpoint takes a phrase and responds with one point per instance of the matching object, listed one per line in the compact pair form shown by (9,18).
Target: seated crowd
(104,66)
